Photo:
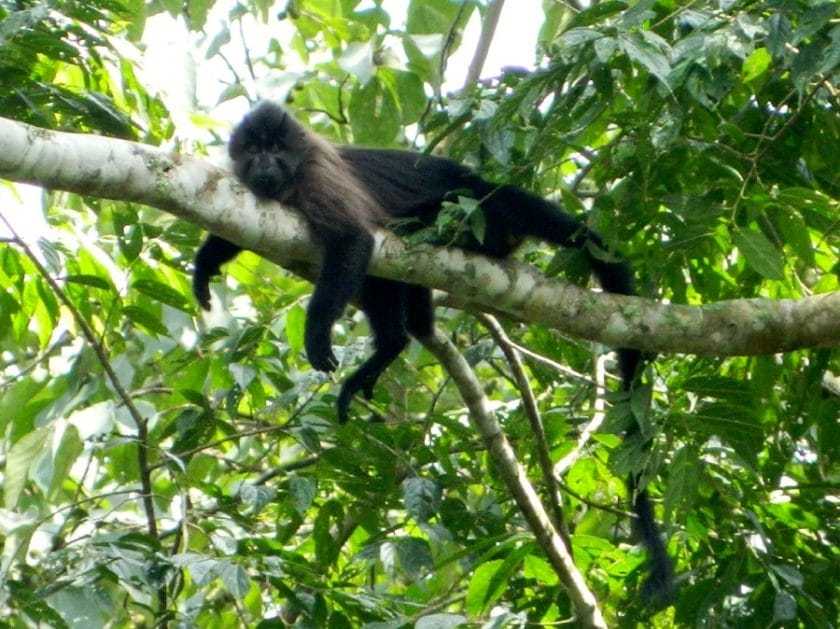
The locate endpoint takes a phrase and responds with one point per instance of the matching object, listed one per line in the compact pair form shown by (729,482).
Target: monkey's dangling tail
(547,220)
(658,590)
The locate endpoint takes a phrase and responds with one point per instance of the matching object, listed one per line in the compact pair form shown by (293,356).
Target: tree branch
(532,412)
(198,192)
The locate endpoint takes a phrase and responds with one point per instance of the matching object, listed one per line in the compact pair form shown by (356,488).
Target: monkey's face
(267,149)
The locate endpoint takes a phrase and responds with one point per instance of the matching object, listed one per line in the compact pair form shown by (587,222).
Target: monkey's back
(410,184)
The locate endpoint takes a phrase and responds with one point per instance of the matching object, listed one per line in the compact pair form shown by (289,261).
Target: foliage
(61,69)
(699,139)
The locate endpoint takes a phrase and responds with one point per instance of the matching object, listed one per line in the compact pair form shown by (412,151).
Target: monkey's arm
(346,255)
(212,254)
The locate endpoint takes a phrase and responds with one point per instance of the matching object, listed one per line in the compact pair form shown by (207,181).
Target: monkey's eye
(275,149)
(253,149)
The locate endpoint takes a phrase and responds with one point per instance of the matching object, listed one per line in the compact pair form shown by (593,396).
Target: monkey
(344,193)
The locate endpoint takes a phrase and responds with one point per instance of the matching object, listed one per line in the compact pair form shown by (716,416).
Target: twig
(447,45)
(567,461)
(529,403)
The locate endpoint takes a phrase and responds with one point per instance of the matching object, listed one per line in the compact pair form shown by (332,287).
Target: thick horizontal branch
(201,193)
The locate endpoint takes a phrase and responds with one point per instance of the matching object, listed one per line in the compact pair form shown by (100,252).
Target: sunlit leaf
(759,253)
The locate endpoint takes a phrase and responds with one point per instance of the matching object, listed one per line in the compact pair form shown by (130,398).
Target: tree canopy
(165,467)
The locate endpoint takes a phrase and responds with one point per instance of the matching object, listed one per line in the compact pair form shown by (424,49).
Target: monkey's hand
(201,289)
(214,252)
(319,350)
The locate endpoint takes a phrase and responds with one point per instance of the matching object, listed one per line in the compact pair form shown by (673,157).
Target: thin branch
(529,403)
(516,479)
(567,461)
(208,196)
(553,364)
(142,429)
(449,43)
(247,51)
(488,30)
(59,343)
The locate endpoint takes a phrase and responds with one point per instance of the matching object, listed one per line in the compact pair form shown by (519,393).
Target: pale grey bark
(198,192)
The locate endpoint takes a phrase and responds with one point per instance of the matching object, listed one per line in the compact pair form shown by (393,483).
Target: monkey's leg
(383,301)
(209,258)
(419,312)
(345,260)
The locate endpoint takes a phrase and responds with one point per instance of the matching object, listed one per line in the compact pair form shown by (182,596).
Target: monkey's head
(267,148)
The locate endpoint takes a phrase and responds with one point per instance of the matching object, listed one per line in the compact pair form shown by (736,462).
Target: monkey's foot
(354,384)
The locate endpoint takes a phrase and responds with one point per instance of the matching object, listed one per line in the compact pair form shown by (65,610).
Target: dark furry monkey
(345,193)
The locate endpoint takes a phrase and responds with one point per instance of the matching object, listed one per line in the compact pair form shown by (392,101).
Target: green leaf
(302,492)
(422,498)
(163,293)
(814,20)
(637,14)
(440,621)
(759,253)
(737,425)
(795,233)
(21,457)
(683,481)
(756,65)
(89,280)
(597,12)
(434,16)
(357,61)
(410,93)
(197,11)
(63,459)
(173,7)
(145,319)
(642,53)
(479,595)
(536,567)
(415,557)
(790,516)
(243,375)
(295,326)
(784,607)
(500,141)
(330,516)
(374,114)
(202,569)
(790,574)
(235,578)
(132,243)
(722,388)
(221,38)
(87,606)
(22,400)
(578,36)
